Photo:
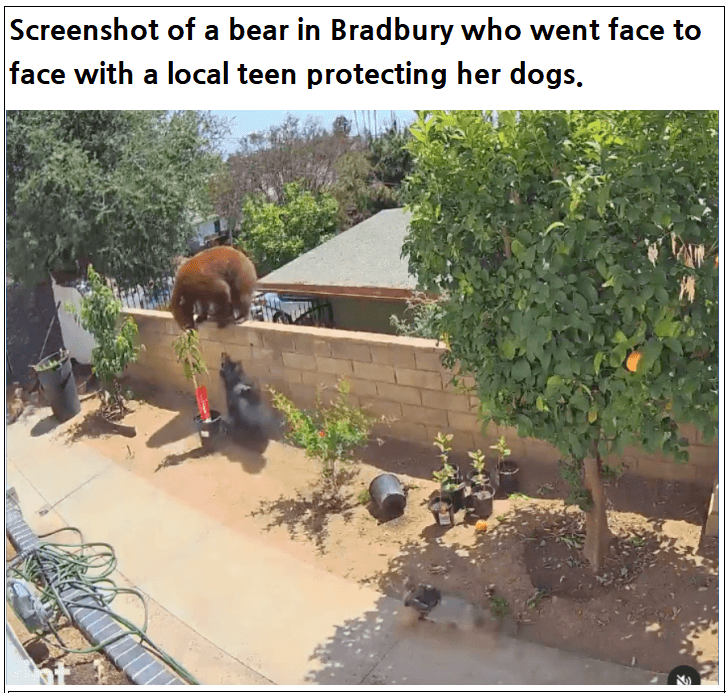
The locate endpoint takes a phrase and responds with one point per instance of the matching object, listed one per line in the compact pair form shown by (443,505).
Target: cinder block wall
(399,377)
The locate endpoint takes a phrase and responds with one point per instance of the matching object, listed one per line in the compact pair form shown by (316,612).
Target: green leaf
(597,361)
(508,349)
(517,248)
(521,370)
(651,352)
(592,415)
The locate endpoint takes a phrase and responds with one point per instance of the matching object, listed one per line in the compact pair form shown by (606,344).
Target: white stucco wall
(78,341)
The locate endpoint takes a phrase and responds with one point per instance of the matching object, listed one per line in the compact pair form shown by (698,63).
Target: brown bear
(222,277)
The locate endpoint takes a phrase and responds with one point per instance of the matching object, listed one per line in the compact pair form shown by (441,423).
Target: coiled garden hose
(53,568)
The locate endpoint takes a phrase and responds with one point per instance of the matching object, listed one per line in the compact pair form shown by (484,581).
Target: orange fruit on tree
(633,360)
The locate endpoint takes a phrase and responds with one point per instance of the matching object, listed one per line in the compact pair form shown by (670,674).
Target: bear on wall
(222,278)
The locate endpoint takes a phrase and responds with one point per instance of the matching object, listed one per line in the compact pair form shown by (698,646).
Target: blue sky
(245,122)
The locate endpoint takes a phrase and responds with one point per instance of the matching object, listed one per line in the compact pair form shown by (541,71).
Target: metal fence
(153,295)
(266,307)
(292,310)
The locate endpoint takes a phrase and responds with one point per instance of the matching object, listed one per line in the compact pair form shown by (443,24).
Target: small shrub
(329,434)
(115,348)
(499,606)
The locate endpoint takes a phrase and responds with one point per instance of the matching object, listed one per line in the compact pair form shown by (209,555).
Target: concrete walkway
(234,611)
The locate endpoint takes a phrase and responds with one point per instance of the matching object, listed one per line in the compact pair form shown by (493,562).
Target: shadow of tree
(662,611)
(308,513)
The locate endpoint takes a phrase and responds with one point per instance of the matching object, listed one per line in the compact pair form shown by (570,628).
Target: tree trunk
(597,533)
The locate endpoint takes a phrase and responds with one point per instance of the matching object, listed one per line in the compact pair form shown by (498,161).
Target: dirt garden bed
(654,606)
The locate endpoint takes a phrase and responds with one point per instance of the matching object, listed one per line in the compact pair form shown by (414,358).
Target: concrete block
(427,380)
(303,362)
(424,415)
(355,351)
(657,468)
(444,400)
(374,371)
(393,355)
(463,422)
(399,393)
(326,364)
(429,361)
(310,344)
(388,409)
(364,388)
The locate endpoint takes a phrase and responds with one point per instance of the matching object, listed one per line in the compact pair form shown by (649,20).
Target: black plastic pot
(456,495)
(442,511)
(477,480)
(387,493)
(481,501)
(509,478)
(59,385)
(209,431)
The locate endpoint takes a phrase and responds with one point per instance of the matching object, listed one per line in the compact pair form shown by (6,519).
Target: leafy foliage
(272,233)
(328,434)
(560,238)
(115,344)
(111,188)
(189,354)
(423,319)
(568,241)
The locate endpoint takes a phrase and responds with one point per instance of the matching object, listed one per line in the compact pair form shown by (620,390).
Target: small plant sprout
(477,461)
(443,443)
(503,450)
(364,497)
(499,606)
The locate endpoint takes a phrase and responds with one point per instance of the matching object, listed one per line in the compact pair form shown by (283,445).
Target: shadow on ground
(653,605)
(44,426)
(309,513)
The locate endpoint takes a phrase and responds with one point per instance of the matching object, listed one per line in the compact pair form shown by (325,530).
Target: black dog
(247,413)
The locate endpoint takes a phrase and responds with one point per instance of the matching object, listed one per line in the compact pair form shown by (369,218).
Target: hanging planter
(387,493)
(59,386)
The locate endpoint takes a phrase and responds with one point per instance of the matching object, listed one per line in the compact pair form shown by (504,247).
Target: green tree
(112,188)
(273,234)
(115,343)
(390,156)
(569,242)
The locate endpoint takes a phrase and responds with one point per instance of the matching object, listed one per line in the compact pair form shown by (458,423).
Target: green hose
(53,568)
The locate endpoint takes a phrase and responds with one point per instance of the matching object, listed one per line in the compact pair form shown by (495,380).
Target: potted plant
(453,488)
(56,379)
(114,350)
(189,355)
(479,476)
(442,510)
(507,480)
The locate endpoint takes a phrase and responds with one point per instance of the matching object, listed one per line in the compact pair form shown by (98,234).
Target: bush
(327,434)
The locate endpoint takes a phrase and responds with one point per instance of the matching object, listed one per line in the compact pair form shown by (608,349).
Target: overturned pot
(210,431)
(387,493)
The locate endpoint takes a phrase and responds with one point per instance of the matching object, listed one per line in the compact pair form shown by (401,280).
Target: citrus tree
(579,253)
